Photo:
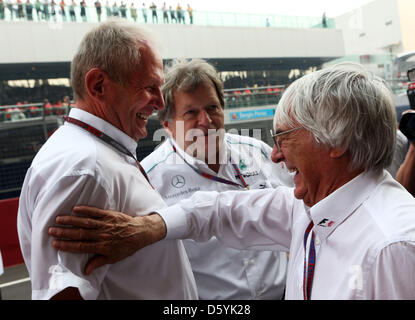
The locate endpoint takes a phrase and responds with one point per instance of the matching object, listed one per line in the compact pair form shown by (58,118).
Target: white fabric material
(1,265)
(222,272)
(75,167)
(365,233)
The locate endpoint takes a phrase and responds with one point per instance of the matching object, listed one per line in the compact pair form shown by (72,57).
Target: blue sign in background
(251,114)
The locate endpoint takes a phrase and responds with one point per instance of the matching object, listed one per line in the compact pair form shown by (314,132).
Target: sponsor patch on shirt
(187,192)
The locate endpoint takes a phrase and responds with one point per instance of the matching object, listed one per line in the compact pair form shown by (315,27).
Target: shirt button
(251,262)
(317,241)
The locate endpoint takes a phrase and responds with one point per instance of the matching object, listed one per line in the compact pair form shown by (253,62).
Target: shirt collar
(105,127)
(330,212)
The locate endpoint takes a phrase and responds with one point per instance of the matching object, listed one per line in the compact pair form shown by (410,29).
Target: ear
(336,153)
(95,83)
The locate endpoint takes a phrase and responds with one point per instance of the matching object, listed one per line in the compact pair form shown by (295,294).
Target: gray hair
(187,76)
(114,47)
(344,106)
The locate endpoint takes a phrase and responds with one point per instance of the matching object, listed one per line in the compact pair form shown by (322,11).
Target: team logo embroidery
(178,181)
(242,164)
(325,223)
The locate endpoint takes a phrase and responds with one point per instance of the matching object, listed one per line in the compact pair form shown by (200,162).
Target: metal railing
(76,13)
(12,113)
(234,98)
(253,97)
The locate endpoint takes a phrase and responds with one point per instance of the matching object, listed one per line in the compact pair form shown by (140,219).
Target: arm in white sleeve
(254,219)
(52,271)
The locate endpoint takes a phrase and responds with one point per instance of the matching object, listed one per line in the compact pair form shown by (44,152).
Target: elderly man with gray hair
(116,76)
(348,225)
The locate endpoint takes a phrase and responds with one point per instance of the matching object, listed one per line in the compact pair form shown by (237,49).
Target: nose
(276,156)
(158,99)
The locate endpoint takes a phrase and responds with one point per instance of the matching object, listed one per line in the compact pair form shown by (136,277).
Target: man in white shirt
(116,77)
(194,103)
(348,225)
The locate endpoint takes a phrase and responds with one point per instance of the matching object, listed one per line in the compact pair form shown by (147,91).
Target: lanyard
(215,178)
(107,139)
(309,267)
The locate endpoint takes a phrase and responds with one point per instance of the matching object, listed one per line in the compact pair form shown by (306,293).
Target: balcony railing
(55,14)
(234,98)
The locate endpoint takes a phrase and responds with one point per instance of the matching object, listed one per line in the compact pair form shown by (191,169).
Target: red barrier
(9,241)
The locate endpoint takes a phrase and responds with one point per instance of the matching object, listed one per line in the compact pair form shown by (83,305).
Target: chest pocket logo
(178,181)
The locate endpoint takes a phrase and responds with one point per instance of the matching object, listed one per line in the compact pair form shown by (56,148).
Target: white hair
(114,47)
(344,106)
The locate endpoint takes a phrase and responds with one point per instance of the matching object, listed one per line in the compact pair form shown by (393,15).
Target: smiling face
(131,104)
(198,114)
(310,162)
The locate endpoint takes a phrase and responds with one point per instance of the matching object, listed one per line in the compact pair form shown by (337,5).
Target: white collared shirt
(75,167)
(222,272)
(365,234)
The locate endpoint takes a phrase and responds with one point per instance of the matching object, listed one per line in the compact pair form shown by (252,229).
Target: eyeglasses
(276,135)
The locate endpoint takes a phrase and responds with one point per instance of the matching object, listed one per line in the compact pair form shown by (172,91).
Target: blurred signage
(251,114)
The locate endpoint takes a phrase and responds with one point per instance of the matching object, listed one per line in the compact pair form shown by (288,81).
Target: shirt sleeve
(392,275)
(51,271)
(254,219)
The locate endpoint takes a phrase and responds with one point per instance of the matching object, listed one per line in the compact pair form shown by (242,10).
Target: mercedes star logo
(178,181)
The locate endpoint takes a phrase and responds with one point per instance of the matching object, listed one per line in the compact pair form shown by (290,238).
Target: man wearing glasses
(348,225)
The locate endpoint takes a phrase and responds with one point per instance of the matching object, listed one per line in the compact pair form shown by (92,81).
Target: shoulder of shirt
(77,152)
(234,139)
(160,155)
(392,216)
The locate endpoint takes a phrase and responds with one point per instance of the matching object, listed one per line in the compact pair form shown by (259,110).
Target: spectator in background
(165,13)
(108,9)
(324,20)
(123,10)
(154,16)
(46,15)
(29,10)
(62,6)
(2,6)
(38,7)
(172,14)
(47,107)
(144,11)
(53,10)
(406,172)
(115,9)
(20,13)
(190,12)
(9,5)
(133,12)
(180,15)
(72,10)
(98,8)
(83,10)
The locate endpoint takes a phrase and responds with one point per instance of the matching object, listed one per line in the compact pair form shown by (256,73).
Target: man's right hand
(111,235)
